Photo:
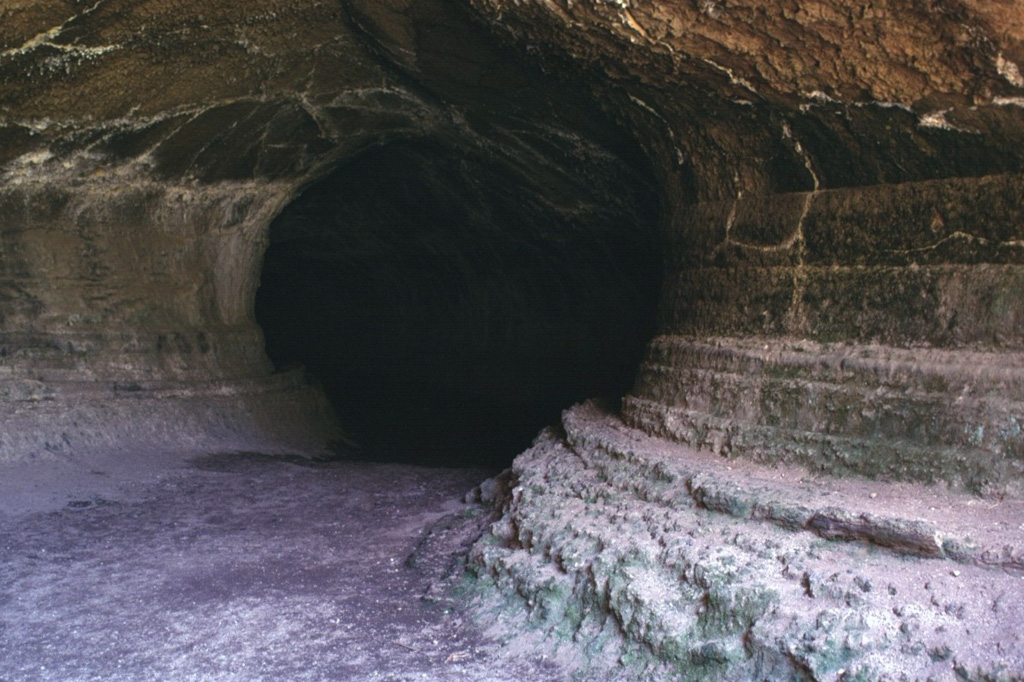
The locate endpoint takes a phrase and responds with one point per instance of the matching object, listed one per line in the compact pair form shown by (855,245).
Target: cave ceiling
(745,92)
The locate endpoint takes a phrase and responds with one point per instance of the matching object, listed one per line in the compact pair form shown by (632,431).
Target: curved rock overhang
(842,302)
(843,253)
(829,175)
(148,147)
(839,223)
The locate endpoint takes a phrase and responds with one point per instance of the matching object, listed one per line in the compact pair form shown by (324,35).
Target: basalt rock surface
(843,200)
(146,147)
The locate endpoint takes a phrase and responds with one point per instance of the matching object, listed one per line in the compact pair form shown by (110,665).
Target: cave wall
(832,186)
(843,246)
(146,147)
(836,376)
(818,472)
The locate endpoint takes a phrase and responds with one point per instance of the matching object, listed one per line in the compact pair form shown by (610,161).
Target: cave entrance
(452,300)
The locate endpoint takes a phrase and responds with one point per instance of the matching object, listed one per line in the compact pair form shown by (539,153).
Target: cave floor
(244,567)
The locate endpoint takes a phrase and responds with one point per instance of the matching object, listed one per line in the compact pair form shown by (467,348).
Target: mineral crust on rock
(641,559)
(835,193)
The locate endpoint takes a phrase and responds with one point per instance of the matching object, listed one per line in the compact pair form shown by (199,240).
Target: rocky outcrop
(836,194)
(844,225)
(643,559)
(826,175)
(842,295)
(147,147)
(873,330)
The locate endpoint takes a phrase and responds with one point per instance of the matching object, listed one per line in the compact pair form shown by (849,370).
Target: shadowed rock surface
(795,229)
(462,295)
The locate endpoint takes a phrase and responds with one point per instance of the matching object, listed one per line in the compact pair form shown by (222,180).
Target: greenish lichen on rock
(839,202)
(605,548)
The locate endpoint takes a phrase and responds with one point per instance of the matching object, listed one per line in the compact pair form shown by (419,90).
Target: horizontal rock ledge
(661,561)
(280,413)
(927,415)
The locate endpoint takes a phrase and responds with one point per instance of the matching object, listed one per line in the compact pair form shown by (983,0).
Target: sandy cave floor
(241,567)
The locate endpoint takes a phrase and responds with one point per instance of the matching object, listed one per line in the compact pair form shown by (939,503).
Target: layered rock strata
(864,330)
(644,559)
(840,212)
(145,149)
(843,245)
(127,321)
(841,306)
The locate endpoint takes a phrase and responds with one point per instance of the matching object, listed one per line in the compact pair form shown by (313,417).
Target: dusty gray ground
(240,567)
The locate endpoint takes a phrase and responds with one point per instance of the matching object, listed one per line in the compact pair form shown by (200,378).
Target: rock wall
(831,183)
(839,209)
(145,149)
(127,320)
(843,246)
(906,303)
(639,559)
(838,365)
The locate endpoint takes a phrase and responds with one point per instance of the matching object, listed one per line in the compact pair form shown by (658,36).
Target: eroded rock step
(906,518)
(924,415)
(651,560)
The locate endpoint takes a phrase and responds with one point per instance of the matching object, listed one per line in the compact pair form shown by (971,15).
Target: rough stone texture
(147,147)
(758,97)
(843,291)
(840,192)
(840,409)
(835,265)
(125,298)
(826,172)
(648,560)
(830,175)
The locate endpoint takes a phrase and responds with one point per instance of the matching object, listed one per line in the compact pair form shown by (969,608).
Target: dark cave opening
(453,299)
